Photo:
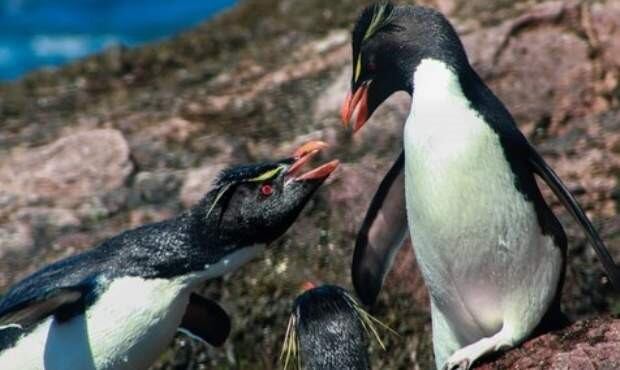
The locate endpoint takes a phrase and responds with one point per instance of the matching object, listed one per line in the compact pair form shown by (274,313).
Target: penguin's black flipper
(559,189)
(57,301)
(382,233)
(22,316)
(9,335)
(206,320)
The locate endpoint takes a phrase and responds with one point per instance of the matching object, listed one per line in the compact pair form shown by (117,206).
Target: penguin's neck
(185,247)
(434,81)
(441,121)
(229,262)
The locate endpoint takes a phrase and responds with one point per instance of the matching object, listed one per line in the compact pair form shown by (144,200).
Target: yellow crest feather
(377,20)
(267,175)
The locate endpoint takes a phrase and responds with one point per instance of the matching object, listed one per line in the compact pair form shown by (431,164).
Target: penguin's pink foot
(463,358)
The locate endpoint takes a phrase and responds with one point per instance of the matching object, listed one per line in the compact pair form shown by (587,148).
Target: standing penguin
(118,305)
(490,250)
(328,330)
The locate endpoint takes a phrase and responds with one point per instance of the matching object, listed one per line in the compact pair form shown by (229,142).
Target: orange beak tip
(308,285)
(310,147)
(360,121)
(356,105)
(345,111)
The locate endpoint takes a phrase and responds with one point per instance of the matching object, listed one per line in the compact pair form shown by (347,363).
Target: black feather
(331,332)
(366,19)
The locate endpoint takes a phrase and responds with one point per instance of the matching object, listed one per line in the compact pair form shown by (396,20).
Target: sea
(48,33)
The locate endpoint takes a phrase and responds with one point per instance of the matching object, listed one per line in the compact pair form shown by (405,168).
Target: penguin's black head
(388,44)
(255,204)
(327,329)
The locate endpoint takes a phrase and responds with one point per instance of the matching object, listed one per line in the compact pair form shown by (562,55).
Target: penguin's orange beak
(356,104)
(304,154)
(307,285)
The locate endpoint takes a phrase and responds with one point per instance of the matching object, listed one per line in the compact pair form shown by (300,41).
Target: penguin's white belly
(476,238)
(130,324)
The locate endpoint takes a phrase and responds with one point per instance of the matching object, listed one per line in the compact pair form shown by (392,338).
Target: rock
(589,344)
(33,227)
(51,217)
(16,237)
(555,84)
(8,203)
(198,182)
(329,102)
(175,130)
(157,187)
(605,23)
(554,77)
(147,215)
(68,170)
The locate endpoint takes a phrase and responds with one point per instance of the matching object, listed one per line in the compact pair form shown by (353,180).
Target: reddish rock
(605,22)
(551,85)
(68,170)
(541,72)
(589,344)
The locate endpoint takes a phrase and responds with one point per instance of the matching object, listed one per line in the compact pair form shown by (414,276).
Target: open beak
(303,155)
(356,104)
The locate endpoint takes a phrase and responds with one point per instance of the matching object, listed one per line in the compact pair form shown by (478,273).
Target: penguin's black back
(331,333)
(159,250)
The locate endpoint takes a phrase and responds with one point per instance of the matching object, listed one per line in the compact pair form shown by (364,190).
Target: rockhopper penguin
(118,305)
(490,250)
(328,330)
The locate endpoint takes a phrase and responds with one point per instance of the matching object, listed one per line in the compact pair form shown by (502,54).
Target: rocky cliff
(133,136)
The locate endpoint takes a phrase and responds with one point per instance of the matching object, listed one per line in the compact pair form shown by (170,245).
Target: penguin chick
(118,305)
(490,250)
(328,330)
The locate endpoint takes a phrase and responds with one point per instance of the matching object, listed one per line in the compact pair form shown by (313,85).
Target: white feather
(127,328)
(476,238)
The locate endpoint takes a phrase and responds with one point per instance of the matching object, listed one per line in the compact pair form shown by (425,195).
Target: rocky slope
(134,136)
(589,344)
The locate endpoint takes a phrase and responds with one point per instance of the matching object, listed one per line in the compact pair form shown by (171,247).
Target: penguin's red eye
(266,190)
(371,67)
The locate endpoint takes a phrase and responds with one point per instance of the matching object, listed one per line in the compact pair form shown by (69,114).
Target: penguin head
(255,204)
(389,42)
(327,329)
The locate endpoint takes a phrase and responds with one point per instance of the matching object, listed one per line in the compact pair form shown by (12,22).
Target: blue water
(40,33)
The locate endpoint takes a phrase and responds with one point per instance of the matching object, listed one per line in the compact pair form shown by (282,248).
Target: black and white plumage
(118,305)
(490,250)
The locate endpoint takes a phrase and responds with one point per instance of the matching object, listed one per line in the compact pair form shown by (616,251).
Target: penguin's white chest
(130,324)
(456,171)
(472,230)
